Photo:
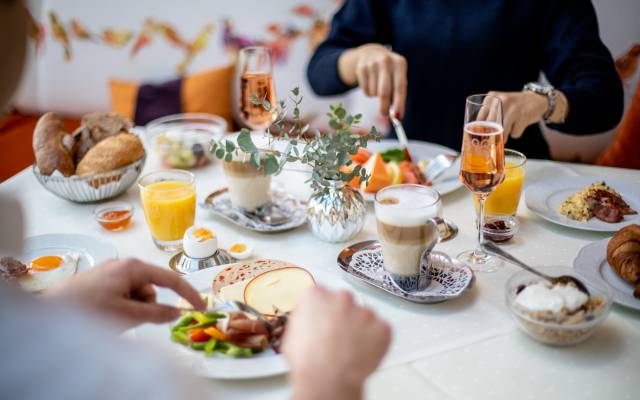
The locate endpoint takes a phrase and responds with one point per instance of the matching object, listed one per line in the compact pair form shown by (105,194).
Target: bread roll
(95,127)
(52,147)
(623,254)
(111,153)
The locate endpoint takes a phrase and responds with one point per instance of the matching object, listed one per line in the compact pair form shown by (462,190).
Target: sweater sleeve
(358,22)
(577,63)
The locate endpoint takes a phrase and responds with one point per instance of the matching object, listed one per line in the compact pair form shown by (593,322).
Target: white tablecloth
(463,349)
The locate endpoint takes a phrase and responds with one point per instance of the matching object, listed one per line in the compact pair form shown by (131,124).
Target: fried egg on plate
(47,271)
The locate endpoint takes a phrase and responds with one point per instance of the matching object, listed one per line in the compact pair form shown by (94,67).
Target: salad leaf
(396,155)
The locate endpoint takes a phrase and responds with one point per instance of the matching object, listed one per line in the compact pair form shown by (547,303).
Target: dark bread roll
(95,127)
(53,146)
(623,254)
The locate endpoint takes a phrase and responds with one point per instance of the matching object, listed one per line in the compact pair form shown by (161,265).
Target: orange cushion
(16,151)
(624,151)
(204,92)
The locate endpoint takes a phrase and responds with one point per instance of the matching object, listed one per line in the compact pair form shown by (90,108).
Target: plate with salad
(387,164)
(235,345)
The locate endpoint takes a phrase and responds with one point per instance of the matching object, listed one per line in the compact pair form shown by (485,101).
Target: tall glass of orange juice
(169,202)
(505,198)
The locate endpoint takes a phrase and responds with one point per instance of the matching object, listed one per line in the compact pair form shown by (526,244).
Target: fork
(438,166)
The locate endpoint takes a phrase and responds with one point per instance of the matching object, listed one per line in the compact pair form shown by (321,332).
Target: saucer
(285,211)
(448,277)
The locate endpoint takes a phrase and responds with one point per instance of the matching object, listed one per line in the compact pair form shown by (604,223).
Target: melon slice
(378,174)
(278,289)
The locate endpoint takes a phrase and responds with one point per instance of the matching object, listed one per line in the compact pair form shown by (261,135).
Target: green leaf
(270,165)
(245,142)
(334,124)
(220,153)
(340,112)
(229,146)
(396,155)
(255,160)
(266,105)
(228,157)
(295,91)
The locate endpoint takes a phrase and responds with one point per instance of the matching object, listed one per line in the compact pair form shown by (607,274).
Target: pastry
(111,153)
(53,146)
(623,254)
(95,127)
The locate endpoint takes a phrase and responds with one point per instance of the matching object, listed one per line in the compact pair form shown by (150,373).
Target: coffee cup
(409,221)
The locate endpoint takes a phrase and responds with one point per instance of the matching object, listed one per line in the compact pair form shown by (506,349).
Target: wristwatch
(546,90)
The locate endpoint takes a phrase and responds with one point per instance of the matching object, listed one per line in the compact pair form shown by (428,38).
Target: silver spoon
(492,248)
(439,165)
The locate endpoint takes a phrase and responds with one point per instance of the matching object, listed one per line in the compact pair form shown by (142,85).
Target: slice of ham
(608,206)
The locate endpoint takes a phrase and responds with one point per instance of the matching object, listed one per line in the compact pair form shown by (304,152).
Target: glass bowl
(495,233)
(114,216)
(571,331)
(183,140)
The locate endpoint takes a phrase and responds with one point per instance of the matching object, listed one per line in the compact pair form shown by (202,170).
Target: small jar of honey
(114,216)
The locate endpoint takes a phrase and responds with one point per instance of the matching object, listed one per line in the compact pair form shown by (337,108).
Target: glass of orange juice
(505,198)
(169,202)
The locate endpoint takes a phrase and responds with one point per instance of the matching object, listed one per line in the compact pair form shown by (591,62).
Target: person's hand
(123,289)
(379,72)
(333,345)
(519,110)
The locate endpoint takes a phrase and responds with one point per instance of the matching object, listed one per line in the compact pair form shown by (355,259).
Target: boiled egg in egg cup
(200,251)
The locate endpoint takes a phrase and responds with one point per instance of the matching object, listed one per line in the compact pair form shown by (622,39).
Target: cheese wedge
(278,289)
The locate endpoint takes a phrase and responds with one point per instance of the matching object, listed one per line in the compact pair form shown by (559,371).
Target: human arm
(354,54)
(333,345)
(124,290)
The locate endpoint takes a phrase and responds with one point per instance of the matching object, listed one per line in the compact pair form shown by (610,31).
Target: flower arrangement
(327,153)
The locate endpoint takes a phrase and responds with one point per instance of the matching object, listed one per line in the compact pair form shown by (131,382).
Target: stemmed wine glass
(482,165)
(255,81)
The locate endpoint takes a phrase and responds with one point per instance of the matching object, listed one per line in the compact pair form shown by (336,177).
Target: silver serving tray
(291,211)
(449,278)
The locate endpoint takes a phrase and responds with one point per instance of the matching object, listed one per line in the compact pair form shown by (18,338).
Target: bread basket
(92,188)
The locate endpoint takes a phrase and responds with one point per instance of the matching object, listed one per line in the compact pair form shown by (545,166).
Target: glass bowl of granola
(556,314)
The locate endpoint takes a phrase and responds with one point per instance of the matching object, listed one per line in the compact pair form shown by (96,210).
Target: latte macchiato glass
(249,188)
(409,220)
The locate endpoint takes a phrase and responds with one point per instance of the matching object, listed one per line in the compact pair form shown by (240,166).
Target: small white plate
(545,197)
(591,264)
(446,183)
(92,250)
(219,366)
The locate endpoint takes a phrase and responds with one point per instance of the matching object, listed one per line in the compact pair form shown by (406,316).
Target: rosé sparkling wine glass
(255,82)
(482,166)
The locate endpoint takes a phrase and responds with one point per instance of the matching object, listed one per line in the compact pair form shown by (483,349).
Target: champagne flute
(255,82)
(482,165)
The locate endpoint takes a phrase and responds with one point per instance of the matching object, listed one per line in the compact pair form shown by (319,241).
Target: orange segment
(378,174)
(361,157)
(346,169)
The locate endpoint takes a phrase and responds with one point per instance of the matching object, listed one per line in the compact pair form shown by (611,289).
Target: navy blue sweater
(455,48)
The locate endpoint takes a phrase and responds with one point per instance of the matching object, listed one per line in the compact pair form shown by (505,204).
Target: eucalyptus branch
(327,153)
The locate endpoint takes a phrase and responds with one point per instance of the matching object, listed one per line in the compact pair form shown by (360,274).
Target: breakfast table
(466,348)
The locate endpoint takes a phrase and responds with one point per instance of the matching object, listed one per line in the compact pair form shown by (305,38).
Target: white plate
(446,183)
(92,250)
(545,197)
(591,264)
(219,366)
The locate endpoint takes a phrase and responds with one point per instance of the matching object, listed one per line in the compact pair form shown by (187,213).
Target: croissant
(623,254)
